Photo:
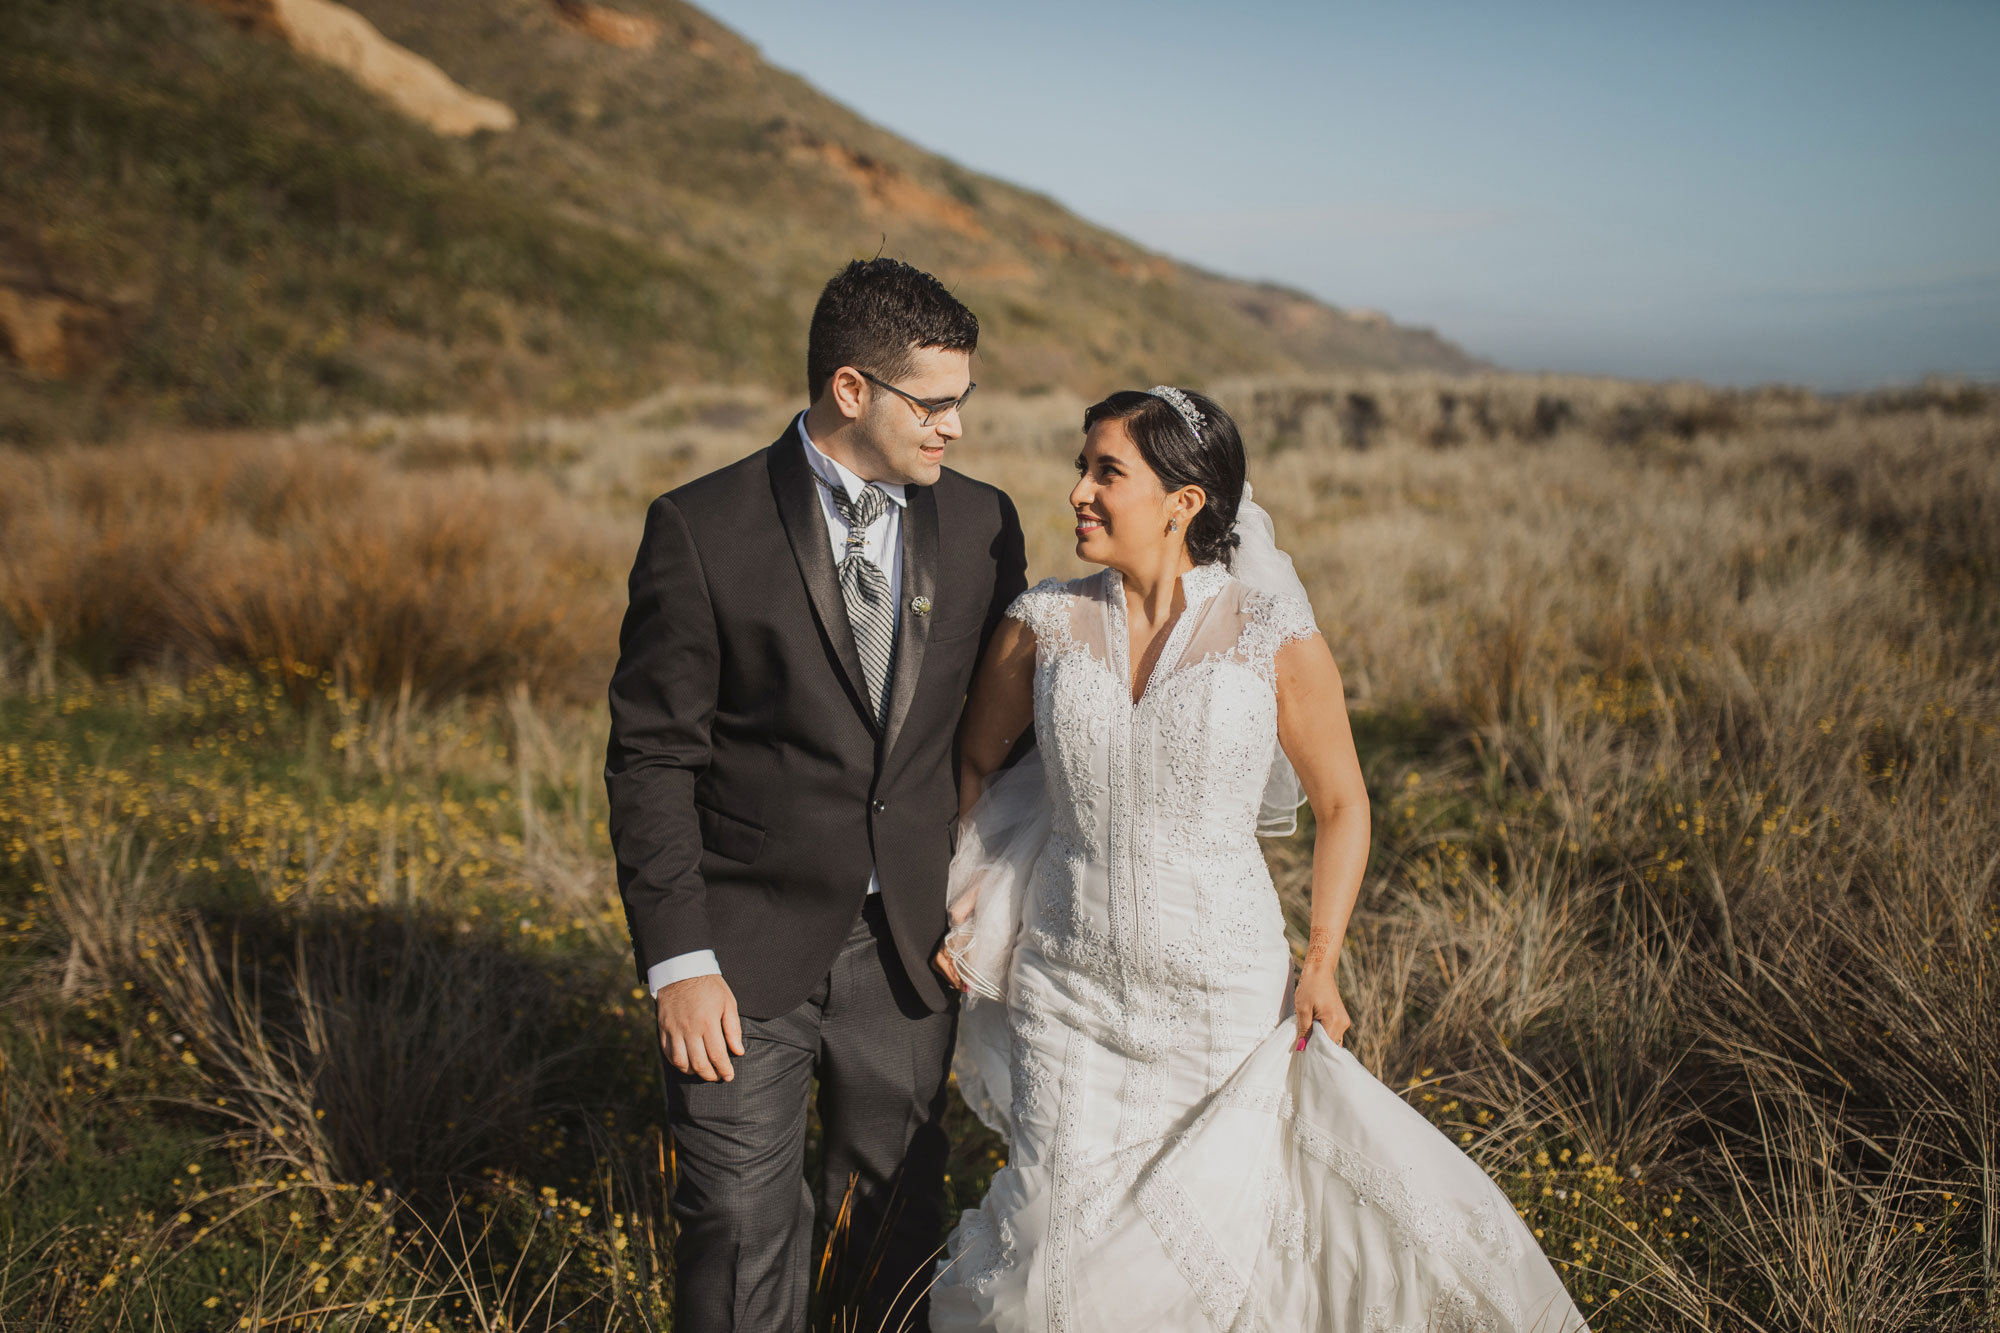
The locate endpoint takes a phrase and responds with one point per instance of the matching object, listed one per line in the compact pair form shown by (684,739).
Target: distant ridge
(205,225)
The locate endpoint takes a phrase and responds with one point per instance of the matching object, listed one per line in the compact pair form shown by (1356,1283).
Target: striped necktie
(864,587)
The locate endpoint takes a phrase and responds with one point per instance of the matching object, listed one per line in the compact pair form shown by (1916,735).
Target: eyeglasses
(931,410)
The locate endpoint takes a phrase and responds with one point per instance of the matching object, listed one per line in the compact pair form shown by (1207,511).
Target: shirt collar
(833,471)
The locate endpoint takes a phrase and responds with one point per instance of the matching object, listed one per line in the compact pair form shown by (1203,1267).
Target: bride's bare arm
(1313,728)
(999,709)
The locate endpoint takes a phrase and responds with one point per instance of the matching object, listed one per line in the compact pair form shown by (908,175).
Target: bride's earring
(1173,525)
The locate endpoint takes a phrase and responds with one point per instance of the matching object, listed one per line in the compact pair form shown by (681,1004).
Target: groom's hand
(699,1027)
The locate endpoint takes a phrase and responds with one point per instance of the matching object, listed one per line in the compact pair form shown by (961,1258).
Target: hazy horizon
(1737,194)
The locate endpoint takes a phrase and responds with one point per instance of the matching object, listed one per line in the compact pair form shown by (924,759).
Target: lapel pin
(921,605)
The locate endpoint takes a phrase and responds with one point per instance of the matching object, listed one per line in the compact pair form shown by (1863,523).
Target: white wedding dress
(1171,1163)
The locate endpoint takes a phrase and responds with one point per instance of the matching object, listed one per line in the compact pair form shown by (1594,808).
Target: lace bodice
(1152,889)
(1210,705)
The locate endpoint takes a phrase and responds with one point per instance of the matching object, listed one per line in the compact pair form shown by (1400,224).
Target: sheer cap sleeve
(1282,617)
(1272,620)
(1044,609)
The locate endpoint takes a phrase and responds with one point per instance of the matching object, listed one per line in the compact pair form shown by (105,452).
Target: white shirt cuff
(700,963)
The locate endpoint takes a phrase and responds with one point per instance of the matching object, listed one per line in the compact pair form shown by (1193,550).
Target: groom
(801,630)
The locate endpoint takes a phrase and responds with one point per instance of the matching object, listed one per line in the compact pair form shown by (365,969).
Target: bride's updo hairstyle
(1211,459)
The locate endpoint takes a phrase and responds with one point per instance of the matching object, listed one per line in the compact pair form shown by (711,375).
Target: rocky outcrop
(344,39)
(888,191)
(613,27)
(51,330)
(52,337)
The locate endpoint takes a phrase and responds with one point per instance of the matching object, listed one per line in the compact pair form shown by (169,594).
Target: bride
(1189,1146)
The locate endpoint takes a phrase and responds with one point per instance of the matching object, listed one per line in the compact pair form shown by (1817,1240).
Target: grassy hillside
(230,233)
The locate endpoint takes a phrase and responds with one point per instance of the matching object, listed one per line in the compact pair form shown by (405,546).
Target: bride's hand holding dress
(1314,732)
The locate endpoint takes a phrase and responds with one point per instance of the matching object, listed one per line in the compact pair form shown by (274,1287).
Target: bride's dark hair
(1212,460)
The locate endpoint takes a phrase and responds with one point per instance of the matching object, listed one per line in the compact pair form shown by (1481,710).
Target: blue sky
(1735,192)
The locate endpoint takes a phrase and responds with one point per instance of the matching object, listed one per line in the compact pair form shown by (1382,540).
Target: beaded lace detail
(1454,1311)
(1420,1223)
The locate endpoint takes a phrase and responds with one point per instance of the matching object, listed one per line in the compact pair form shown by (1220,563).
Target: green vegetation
(317,1007)
(1678,712)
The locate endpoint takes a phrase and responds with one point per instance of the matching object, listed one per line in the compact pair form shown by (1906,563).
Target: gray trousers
(743,1259)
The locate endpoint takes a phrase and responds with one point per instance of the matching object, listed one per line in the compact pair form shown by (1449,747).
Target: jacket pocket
(728,836)
(955,627)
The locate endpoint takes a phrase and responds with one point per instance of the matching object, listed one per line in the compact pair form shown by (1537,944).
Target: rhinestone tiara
(1181,404)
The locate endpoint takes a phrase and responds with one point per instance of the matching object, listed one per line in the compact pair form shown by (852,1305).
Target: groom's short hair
(875,314)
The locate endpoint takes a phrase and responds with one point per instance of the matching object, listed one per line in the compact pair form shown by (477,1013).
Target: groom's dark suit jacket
(750,787)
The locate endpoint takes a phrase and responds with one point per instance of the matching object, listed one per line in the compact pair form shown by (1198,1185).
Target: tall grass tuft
(315,559)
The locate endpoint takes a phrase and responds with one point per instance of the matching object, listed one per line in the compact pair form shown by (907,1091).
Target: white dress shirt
(883,544)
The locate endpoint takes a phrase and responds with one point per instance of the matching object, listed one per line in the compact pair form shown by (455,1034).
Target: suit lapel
(793,486)
(920,559)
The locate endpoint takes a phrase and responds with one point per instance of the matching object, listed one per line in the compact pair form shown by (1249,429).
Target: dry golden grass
(1679,709)
(250,551)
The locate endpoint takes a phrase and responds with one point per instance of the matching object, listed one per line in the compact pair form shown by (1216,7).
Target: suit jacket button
(878,806)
